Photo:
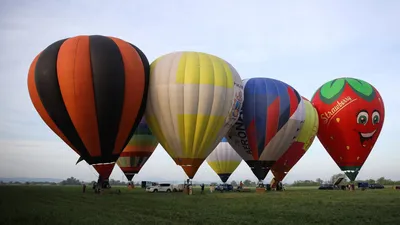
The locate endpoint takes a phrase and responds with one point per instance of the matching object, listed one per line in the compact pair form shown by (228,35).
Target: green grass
(301,206)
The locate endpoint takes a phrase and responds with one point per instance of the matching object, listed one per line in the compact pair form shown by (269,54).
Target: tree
(117,182)
(319,180)
(371,181)
(247,183)
(71,181)
(381,180)
(233,183)
(308,183)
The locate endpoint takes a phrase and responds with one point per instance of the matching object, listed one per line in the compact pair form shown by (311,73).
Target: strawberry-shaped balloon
(351,115)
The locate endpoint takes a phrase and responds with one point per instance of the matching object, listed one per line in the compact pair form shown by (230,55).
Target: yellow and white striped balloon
(224,160)
(193,100)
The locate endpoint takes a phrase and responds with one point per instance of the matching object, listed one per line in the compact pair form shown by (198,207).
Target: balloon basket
(260,190)
(187,191)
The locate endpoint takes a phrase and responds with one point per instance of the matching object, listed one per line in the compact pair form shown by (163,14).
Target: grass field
(68,205)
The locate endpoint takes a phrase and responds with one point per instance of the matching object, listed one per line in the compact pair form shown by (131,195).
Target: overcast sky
(303,43)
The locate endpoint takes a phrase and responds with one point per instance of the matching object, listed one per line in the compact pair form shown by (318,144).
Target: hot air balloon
(194,99)
(351,115)
(138,150)
(91,91)
(303,141)
(270,120)
(224,160)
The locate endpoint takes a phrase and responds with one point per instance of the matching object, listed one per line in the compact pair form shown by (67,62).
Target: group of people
(98,186)
(131,185)
(276,185)
(104,184)
(188,187)
(221,189)
(240,187)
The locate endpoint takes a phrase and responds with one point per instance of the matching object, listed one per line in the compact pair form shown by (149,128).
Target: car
(376,186)
(163,187)
(177,187)
(327,187)
(363,185)
(146,184)
(224,187)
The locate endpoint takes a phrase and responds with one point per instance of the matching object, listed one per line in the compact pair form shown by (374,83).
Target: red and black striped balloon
(91,91)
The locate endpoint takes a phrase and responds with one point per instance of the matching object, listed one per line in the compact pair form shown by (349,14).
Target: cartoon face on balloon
(368,123)
(351,116)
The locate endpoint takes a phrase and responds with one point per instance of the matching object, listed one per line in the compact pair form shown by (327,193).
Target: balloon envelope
(271,117)
(138,151)
(194,99)
(224,160)
(303,141)
(91,91)
(351,115)
(104,169)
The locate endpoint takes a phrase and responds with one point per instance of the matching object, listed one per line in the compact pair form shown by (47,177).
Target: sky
(303,43)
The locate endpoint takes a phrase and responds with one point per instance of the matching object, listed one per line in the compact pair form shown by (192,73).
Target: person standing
(202,188)
(190,189)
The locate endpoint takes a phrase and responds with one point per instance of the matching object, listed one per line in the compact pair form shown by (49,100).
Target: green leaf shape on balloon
(362,88)
(331,90)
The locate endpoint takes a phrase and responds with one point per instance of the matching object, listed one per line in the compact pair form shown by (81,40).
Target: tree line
(319,181)
(247,182)
(74,181)
(68,181)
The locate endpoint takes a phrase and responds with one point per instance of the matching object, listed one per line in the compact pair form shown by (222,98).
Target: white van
(162,187)
(177,187)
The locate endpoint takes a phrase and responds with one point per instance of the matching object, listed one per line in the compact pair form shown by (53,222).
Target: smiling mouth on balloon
(366,136)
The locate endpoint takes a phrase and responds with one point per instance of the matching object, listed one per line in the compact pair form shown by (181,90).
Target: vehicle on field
(243,189)
(178,187)
(162,187)
(376,186)
(146,184)
(362,185)
(326,187)
(224,187)
(335,186)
